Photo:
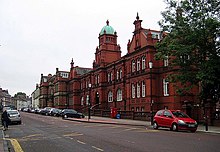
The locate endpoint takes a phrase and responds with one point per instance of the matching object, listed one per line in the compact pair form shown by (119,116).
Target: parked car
(45,111)
(6,108)
(14,116)
(71,113)
(175,120)
(55,112)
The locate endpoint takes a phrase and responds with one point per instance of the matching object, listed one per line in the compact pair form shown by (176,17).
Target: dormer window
(44,79)
(64,75)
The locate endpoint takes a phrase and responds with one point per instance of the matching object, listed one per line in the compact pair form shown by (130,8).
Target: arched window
(138,90)
(133,90)
(120,74)
(143,62)
(119,95)
(166,87)
(133,66)
(117,75)
(109,77)
(138,64)
(143,89)
(166,61)
(82,101)
(110,96)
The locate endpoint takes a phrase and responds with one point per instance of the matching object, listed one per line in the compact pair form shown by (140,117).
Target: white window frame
(143,63)
(138,90)
(119,95)
(166,61)
(117,74)
(143,89)
(133,66)
(120,74)
(82,101)
(109,77)
(138,64)
(133,90)
(110,96)
(165,87)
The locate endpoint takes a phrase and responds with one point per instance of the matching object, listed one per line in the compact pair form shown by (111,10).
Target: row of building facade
(18,101)
(133,82)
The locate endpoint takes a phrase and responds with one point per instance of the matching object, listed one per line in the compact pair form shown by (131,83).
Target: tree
(192,42)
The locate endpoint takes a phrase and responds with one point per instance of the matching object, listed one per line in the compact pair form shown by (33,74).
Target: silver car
(14,116)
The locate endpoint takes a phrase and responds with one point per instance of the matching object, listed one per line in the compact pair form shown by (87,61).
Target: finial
(72,63)
(107,22)
(137,16)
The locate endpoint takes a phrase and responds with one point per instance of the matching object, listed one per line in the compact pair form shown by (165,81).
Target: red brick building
(125,82)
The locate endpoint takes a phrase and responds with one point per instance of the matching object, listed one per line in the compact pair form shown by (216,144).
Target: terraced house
(133,82)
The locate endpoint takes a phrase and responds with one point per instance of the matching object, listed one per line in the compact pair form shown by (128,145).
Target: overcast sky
(38,36)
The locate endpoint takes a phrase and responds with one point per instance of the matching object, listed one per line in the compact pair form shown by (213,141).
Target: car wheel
(65,116)
(174,127)
(46,114)
(155,125)
(193,131)
(19,122)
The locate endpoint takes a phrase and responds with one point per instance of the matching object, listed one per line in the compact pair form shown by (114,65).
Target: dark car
(71,113)
(45,111)
(55,112)
(175,120)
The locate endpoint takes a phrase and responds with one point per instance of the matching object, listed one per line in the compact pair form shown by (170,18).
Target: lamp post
(89,102)
(151,101)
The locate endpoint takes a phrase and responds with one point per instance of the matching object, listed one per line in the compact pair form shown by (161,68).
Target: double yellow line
(16,145)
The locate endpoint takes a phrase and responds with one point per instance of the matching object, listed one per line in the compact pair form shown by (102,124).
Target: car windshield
(13,112)
(71,110)
(180,114)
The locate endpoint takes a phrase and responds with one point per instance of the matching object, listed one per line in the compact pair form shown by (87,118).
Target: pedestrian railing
(145,116)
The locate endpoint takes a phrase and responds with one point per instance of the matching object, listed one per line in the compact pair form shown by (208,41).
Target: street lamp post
(89,102)
(151,101)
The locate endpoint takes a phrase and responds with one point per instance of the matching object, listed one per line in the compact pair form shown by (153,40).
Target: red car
(175,120)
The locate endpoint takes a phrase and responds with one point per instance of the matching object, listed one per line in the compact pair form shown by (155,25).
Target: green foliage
(193,42)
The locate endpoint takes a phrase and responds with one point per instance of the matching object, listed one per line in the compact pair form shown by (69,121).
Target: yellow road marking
(131,129)
(34,135)
(16,145)
(97,148)
(81,142)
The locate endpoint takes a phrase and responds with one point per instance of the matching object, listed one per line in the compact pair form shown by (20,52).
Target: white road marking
(81,142)
(99,149)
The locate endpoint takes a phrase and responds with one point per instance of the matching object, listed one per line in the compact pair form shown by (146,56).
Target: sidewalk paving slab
(106,120)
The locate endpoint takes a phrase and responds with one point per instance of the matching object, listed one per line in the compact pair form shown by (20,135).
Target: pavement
(105,120)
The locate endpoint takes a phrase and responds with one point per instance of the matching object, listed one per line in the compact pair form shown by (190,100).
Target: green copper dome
(107,29)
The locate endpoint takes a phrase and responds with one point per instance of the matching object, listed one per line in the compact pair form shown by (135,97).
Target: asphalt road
(39,133)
